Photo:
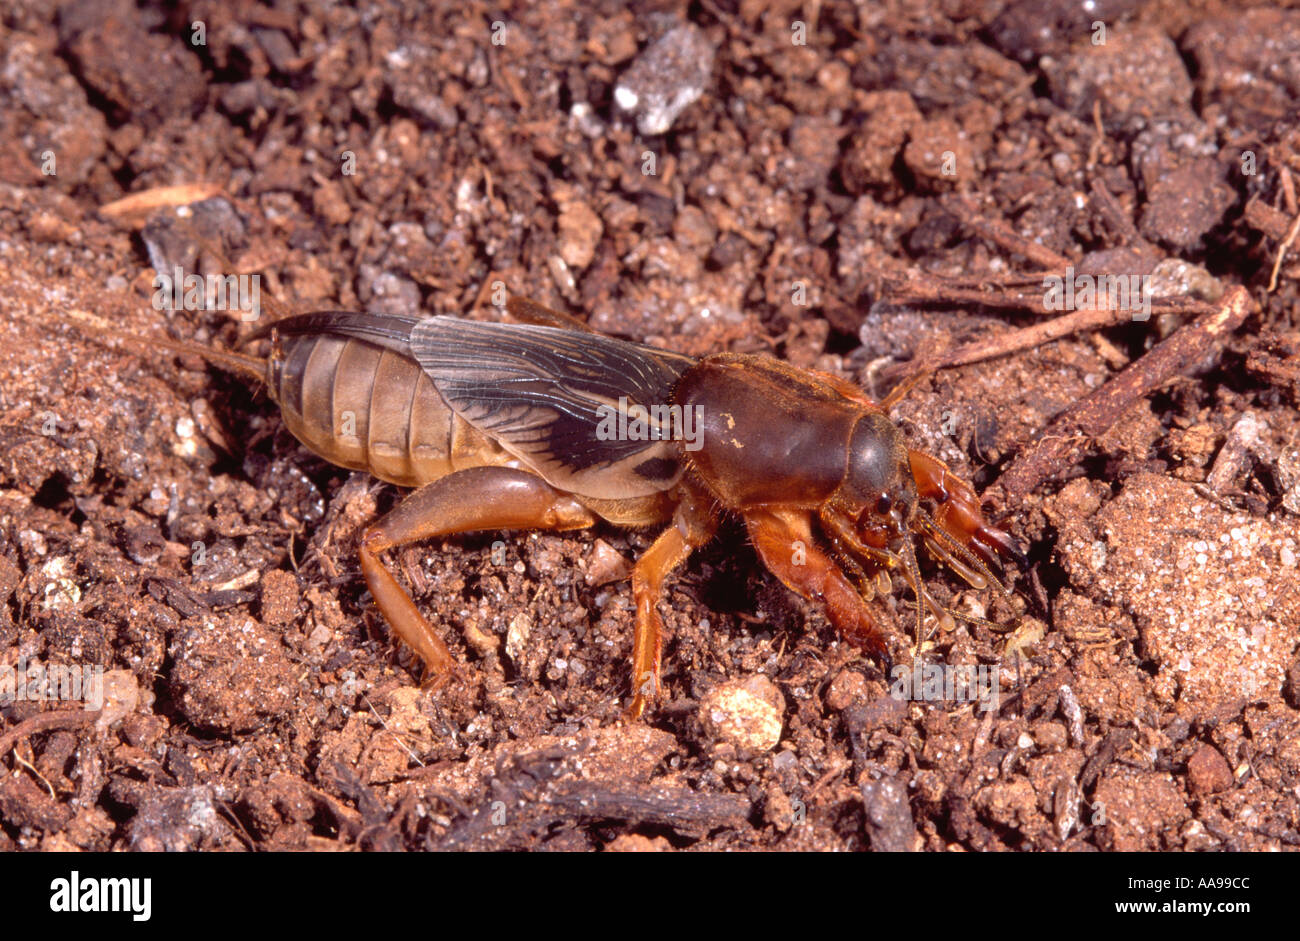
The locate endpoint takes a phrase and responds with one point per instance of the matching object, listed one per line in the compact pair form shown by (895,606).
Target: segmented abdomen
(367,408)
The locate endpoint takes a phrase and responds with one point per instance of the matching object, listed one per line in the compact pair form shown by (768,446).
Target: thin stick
(1063,441)
(46,722)
(1281,252)
(1034,335)
(1002,235)
(137,207)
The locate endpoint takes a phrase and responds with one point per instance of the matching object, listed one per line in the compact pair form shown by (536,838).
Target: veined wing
(553,398)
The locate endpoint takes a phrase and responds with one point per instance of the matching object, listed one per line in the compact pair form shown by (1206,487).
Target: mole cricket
(508,426)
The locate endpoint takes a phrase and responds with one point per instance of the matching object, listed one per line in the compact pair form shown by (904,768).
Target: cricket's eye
(884,504)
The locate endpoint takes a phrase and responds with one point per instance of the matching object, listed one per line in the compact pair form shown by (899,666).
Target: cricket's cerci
(546,424)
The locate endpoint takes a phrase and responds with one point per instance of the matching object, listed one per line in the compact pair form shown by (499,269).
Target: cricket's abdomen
(364,407)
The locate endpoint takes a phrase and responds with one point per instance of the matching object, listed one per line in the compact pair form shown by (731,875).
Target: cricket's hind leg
(478,498)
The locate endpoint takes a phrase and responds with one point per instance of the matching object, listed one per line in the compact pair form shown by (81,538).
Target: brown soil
(256,700)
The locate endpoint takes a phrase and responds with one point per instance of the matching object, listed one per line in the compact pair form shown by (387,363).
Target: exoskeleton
(545,424)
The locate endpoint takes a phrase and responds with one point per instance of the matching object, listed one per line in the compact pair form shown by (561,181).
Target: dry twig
(1063,441)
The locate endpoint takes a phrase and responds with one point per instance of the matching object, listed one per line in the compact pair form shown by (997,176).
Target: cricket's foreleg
(959,513)
(785,543)
(475,499)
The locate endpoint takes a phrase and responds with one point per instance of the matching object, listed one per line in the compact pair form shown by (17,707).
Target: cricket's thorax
(764,426)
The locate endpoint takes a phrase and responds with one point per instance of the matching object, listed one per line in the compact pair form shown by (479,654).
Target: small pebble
(745,713)
(666,78)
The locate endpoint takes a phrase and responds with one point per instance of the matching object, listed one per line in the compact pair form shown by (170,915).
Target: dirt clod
(230,674)
(1207,772)
(889,818)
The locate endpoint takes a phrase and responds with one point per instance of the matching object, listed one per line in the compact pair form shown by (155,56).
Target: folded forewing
(568,404)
